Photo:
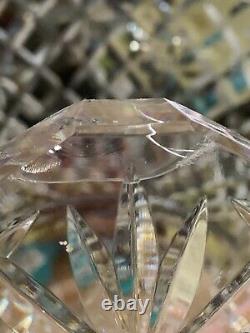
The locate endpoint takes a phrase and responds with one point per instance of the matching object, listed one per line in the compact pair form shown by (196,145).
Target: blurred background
(54,53)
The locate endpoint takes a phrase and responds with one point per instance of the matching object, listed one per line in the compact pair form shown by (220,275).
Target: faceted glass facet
(139,223)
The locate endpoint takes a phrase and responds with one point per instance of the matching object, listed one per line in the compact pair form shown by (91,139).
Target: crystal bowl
(125,217)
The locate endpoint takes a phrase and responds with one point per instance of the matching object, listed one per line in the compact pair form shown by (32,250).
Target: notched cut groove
(219,300)
(41,297)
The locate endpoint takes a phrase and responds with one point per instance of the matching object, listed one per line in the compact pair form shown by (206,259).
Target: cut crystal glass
(125,217)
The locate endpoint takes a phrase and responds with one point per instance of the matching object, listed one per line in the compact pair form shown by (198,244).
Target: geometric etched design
(147,273)
(148,188)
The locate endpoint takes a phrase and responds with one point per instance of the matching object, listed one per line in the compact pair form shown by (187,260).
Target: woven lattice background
(54,53)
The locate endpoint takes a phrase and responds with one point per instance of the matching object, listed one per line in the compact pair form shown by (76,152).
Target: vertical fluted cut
(242,278)
(121,243)
(98,253)
(144,253)
(180,271)
(85,245)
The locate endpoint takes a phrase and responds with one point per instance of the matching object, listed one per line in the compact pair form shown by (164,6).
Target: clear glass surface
(139,200)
